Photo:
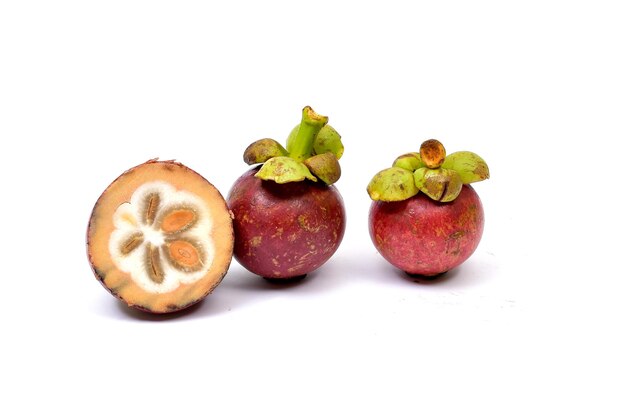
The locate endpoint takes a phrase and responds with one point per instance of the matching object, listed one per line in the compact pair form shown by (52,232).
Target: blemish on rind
(453,243)
(304,223)
(457,234)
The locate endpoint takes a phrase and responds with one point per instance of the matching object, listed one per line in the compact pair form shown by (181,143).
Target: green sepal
(283,169)
(312,152)
(263,150)
(325,167)
(410,161)
(439,184)
(471,167)
(392,184)
(327,140)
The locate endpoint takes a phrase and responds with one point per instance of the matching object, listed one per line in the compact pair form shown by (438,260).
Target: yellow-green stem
(310,126)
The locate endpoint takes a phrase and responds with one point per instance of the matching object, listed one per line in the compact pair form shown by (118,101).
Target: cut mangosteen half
(160,237)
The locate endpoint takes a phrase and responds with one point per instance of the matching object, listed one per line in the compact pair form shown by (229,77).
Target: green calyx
(409,161)
(325,167)
(282,169)
(431,171)
(263,150)
(471,167)
(440,184)
(392,184)
(313,151)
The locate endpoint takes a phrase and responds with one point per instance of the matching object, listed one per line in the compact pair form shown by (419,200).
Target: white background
(532,324)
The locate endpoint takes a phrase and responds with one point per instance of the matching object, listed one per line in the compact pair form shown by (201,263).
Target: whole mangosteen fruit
(289,218)
(425,218)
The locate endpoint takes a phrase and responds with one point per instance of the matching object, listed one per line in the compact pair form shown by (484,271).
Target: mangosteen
(426,218)
(289,218)
(160,237)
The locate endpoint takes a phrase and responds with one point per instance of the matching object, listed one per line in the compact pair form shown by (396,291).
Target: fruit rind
(290,230)
(424,237)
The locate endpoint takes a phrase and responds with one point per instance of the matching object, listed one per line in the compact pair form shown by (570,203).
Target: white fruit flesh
(147,231)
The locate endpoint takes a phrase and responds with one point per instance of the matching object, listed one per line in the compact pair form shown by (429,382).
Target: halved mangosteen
(160,237)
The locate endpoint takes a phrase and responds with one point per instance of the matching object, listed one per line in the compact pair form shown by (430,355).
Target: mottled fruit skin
(285,230)
(425,237)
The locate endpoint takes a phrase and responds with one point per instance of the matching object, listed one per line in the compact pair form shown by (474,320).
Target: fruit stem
(310,126)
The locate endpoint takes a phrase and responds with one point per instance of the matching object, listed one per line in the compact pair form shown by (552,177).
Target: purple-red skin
(285,230)
(424,237)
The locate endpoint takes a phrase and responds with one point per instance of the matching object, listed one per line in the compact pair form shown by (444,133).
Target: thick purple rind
(424,237)
(285,230)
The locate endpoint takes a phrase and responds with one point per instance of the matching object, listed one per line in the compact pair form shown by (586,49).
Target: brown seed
(153,264)
(152,205)
(132,243)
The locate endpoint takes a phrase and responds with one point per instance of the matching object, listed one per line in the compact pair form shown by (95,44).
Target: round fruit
(425,218)
(426,237)
(289,219)
(160,237)
(285,230)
